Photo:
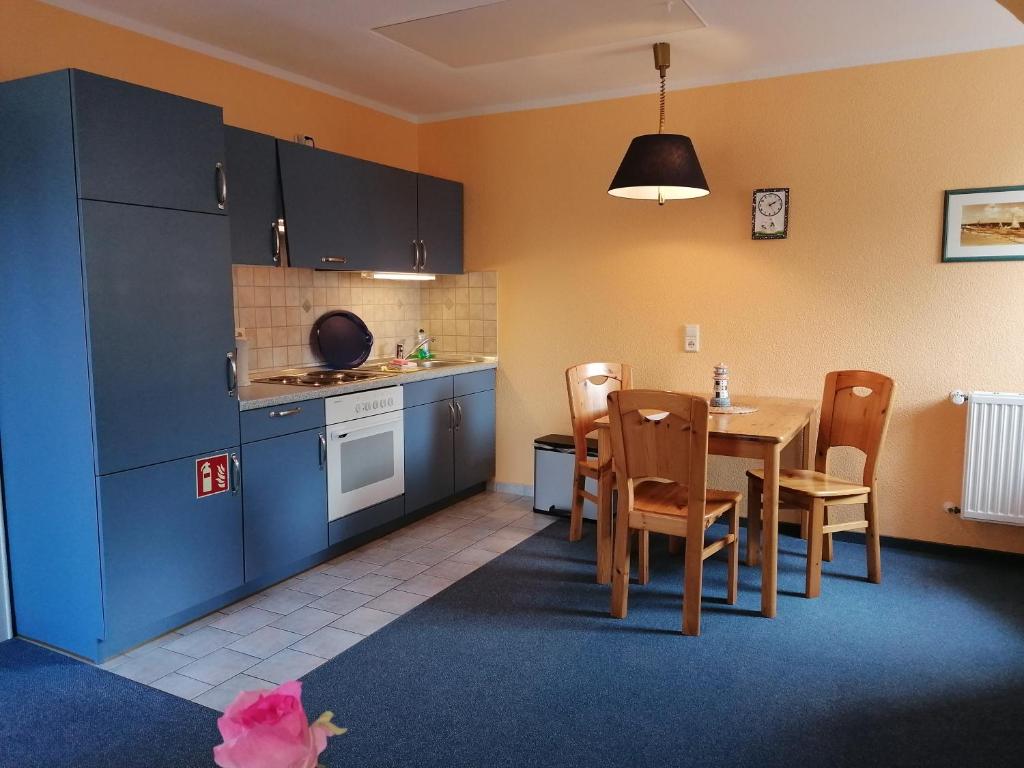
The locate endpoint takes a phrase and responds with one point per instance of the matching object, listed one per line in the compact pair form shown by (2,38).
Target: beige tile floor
(295,626)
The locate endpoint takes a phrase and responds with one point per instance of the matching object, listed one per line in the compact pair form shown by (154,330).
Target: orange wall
(867,153)
(38,38)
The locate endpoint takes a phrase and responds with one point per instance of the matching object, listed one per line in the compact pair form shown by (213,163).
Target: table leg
(806,462)
(770,530)
(604,507)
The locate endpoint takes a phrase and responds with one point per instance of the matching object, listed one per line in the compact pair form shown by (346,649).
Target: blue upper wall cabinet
(439,217)
(140,146)
(256,208)
(115,304)
(350,214)
(345,213)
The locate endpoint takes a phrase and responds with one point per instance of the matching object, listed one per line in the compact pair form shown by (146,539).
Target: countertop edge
(255,396)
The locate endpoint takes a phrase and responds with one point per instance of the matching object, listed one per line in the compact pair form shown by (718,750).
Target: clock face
(769,204)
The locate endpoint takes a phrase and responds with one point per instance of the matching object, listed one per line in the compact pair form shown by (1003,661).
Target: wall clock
(770,214)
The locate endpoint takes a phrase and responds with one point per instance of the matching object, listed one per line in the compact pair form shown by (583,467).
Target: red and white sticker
(211,475)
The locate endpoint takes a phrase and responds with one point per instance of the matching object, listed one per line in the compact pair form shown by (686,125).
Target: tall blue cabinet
(115,367)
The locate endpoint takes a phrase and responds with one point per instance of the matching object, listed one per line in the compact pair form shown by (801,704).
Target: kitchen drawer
(282,420)
(478,381)
(350,526)
(429,391)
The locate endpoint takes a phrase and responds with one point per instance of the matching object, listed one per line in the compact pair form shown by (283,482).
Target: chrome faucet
(401,348)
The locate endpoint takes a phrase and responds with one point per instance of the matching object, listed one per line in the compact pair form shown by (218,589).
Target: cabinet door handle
(458,408)
(232,369)
(451,416)
(236,474)
(423,256)
(275,240)
(323,449)
(333,259)
(288,412)
(222,185)
(415,256)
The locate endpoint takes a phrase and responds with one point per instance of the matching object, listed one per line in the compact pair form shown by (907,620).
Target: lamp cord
(661,105)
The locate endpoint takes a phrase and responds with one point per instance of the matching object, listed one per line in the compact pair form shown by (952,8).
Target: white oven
(365,450)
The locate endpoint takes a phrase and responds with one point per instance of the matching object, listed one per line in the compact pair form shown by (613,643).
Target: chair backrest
(589,385)
(673,447)
(855,410)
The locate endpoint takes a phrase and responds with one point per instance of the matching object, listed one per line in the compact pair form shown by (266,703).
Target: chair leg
(753,521)
(734,555)
(804,520)
(814,541)
(675,545)
(874,544)
(643,557)
(693,577)
(620,566)
(827,551)
(576,513)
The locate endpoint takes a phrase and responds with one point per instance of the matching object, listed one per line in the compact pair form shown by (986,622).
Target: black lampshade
(660,166)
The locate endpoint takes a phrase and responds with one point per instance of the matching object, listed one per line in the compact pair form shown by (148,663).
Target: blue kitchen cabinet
(257,213)
(284,487)
(429,457)
(474,439)
(114,373)
(439,225)
(160,329)
(145,147)
(345,213)
(164,549)
(449,437)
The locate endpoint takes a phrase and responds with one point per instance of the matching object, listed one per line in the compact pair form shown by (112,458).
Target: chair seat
(671,499)
(588,467)
(807,482)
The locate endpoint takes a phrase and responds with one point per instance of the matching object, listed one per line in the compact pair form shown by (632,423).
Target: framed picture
(769,217)
(984,224)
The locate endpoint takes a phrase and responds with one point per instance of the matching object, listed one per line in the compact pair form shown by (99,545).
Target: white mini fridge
(553,457)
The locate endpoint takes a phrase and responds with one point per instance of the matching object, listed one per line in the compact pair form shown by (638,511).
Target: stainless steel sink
(439,361)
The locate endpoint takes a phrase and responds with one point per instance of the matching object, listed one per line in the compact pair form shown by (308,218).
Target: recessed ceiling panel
(519,29)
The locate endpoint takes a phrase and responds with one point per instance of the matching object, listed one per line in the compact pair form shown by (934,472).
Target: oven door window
(366,460)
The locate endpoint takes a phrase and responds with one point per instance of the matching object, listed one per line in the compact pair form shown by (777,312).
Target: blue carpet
(519,664)
(55,711)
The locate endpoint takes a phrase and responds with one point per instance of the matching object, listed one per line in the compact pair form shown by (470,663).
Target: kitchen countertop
(263,395)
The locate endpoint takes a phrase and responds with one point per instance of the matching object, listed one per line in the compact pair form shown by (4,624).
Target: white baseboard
(515,488)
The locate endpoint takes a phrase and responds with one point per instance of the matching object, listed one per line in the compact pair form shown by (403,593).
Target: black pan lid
(342,338)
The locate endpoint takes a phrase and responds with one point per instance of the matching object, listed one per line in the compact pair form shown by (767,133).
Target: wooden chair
(660,469)
(589,385)
(855,409)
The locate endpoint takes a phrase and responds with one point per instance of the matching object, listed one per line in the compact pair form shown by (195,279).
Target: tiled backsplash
(278,306)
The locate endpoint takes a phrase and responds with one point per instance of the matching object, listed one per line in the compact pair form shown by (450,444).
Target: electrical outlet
(691,338)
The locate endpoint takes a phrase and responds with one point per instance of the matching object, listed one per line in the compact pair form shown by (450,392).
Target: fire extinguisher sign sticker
(211,475)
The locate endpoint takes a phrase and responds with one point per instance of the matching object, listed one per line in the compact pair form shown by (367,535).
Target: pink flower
(268,729)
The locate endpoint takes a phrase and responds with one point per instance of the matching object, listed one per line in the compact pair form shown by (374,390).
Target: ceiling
(463,57)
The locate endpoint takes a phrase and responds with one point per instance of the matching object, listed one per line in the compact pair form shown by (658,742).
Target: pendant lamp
(660,166)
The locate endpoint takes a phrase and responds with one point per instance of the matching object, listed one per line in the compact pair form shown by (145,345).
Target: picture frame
(769,214)
(983,224)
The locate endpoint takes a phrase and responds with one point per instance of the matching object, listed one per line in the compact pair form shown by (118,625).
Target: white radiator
(994,458)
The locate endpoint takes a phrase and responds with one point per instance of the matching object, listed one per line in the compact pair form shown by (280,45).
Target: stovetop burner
(319,377)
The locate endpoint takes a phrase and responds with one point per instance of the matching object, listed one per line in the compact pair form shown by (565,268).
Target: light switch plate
(691,339)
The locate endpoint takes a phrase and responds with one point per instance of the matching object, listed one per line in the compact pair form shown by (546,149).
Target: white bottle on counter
(242,357)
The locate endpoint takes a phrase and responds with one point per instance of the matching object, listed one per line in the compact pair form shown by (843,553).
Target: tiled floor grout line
(264,654)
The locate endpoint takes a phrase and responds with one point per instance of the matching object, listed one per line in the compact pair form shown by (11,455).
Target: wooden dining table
(763,434)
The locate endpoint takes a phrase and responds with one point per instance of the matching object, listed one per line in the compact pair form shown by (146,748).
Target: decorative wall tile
(278,306)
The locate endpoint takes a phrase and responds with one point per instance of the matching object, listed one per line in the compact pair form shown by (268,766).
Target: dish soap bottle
(424,350)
